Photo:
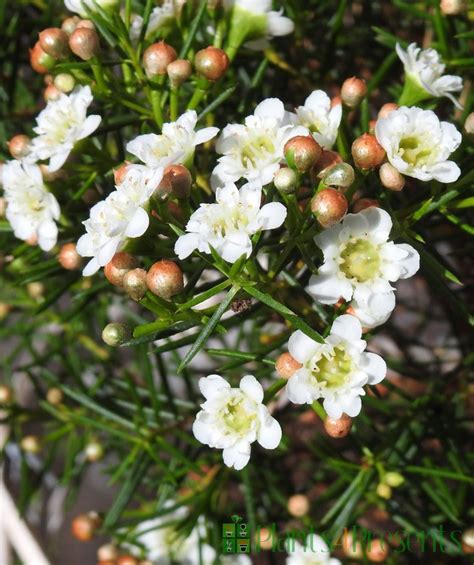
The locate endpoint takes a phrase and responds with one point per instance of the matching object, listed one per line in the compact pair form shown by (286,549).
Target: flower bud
(285,180)
(452,7)
(351,547)
(40,61)
(467,541)
(336,101)
(107,552)
(165,279)
(302,152)
(338,428)
(298,505)
(48,79)
(85,24)
(391,178)
(384,491)
(116,268)
(393,479)
(329,206)
(372,124)
(94,451)
(69,258)
(157,57)
(364,203)
(51,93)
(387,109)
(55,396)
(353,91)
(340,175)
(134,283)
(377,551)
(264,538)
(4,310)
(3,202)
(367,152)
(120,173)
(70,24)
(179,179)
(19,146)
(35,290)
(469,124)
(212,63)
(6,395)
(327,160)
(64,82)
(54,42)
(179,71)
(30,444)
(84,43)
(115,333)
(286,365)
(84,526)
(127,560)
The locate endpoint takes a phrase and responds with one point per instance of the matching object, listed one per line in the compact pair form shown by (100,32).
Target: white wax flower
(120,216)
(254,150)
(176,143)
(31,208)
(336,370)
(61,124)
(418,144)
(231,419)
(160,17)
(373,309)
(227,224)
(79,6)
(315,551)
(424,68)
(320,119)
(360,261)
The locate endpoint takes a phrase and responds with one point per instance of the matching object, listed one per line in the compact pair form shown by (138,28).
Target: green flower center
(237,418)
(361,260)
(332,368)
(413,151)
(256,150)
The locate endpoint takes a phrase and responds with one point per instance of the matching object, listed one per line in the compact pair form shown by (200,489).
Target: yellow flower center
(332,368)
(236,417)
(413,151)
(256,150)
(360,260)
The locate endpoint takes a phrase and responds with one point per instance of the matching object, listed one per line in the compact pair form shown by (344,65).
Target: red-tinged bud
(69,24)
(302,152)
(329,206)
(86,24)
(340,175)
(54,42)
(286,365)
(467,541)
(391,178)
(336,101)
(5,309)
(212,63)
(120,173)
(367,152)
(372,124)
(55,396)
(32,240)
(51,93)
(40,61)
(338,428)
(387,109)
(69,258)
(377,551)
(107,552)
(115,333)
(452,7)
(3,203)
(327,160)
(351,547)
(156,59)
(6,395)
(31,444)
(84,43)
(353,91)
(127,560)
(118,266)
(48,79)
(165,279)
(19,146)
(134,283)
(298,505)
(64,82)
(364,203)
(179,179)
(84,526)
(179,71)
(469,124)
(285,180)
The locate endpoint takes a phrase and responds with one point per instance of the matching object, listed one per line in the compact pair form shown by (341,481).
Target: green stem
(155,96)
(174,103)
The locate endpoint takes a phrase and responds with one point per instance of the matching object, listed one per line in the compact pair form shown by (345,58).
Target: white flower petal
(272,215)
(302,347)
(252,388)
(138,224)
(211,385)
(328,289)
(269,433)
(374,366)
(347,327)
(237,456)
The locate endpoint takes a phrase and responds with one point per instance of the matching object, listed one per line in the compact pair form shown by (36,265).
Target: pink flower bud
(212,63)
(469,124)
(179,179)
(165,279)
(452,7)
(327,160)
(286,365)
(391,178)
(364,203)
(134,283)
(329,206)
(157,58)
(387,109)
(302,152)
(84,43)
(367,152)
(353,91)
(118,266)
(51,93)
(69,258)
(119,174)
(54,42)
(298,505)
(338,428)
(40,61)
(19,146)
(179,71)
(70,24)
